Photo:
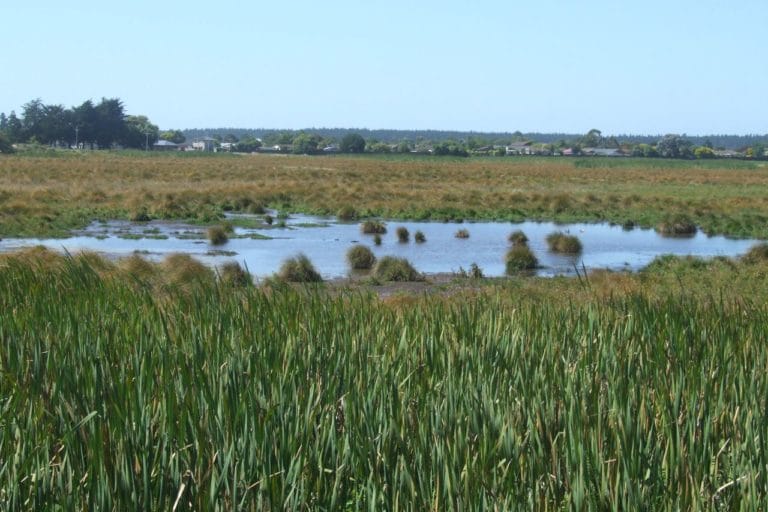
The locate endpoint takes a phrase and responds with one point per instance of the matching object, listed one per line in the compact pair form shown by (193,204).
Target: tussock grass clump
(372,227)
(217,235)
(390,268)
(676,225)
(140,215)
(138,268)
(520,258)
(183,271)
(402,234)
(346,213)
(563,243)
(462,233)
(377,239)
(232,274)
(756,254)
(360,257)
(517,237)
(299,269)
(419,237)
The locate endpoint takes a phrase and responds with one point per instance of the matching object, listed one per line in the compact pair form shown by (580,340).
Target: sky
(651,67)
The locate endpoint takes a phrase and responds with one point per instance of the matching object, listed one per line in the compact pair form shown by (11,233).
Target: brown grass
(39,194)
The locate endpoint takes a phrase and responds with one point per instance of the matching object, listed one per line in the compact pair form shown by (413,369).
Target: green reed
(116,397)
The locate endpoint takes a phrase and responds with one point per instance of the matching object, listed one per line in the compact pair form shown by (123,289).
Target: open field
(143,388)
(51,194)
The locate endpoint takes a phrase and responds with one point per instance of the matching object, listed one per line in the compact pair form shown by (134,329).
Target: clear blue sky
(659,66)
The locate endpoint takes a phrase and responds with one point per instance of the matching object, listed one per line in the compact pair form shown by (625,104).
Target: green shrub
(756,254)
(402,234)
(419,237)
(299,269)
(563,243)
(676,225)
(519,258)
(360,257)
(346,213)
(370,227)
(518,238)
(390,268)
(462,233)
(217,235)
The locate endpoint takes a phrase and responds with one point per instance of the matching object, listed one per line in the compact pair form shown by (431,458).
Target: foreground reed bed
(116,398)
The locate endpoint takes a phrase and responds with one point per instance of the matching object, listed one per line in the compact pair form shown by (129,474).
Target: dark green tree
(139,132)
(14,131)
(305,144)
(175,136)
(32,119)
(85,120)
(5,144)
(110,122)
(758,151)
(352,143)
(593,139)
(674,146)
(248,144)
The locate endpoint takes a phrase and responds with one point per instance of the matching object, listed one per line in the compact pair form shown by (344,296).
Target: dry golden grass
(41,195)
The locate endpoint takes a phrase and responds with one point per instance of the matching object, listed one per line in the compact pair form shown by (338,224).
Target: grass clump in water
(390,268)
(217,235)
(676,225)
(373,227)
(377,239)
(419,237)
(517,237)
(360,257)
(403,235)
(563,243)
(299,269)
(520,258)
(462,233)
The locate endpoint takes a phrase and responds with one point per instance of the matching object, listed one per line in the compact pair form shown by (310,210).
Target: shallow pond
(326,241)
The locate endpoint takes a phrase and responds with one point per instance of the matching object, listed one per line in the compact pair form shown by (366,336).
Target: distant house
(520,148)
(333,148)
(165,145)
(227,146)
(728,153)
(602,152)
(204,144)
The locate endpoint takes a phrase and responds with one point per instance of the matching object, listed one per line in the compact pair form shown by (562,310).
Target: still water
(325,241)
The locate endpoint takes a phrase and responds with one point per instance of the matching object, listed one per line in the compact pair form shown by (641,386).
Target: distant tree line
(591,143)
(478,139)
(89,125)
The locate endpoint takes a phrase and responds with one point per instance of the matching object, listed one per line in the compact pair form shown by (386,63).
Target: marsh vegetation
(50,195)
(216,395)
